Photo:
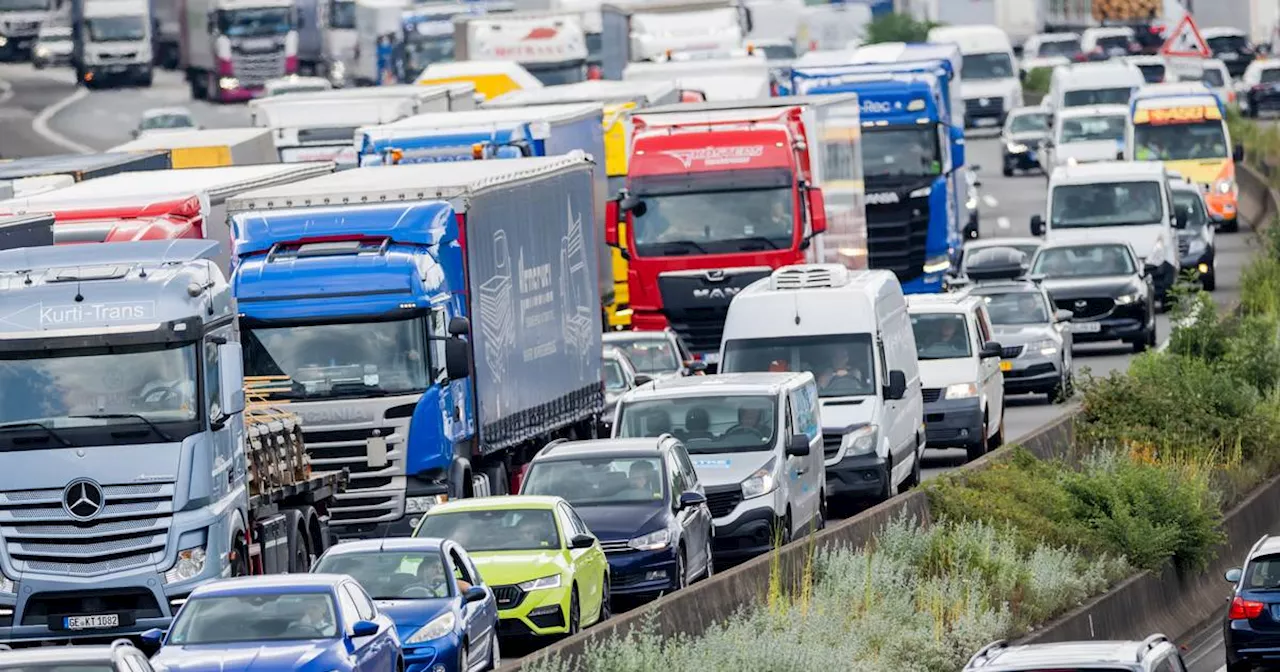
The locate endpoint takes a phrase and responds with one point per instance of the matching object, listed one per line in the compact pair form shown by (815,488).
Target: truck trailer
(323,130)
(135,469)
(18,231)
(500,252)
(85,166)
(111,42)
(231,48)
(645,30)
(721,194)
(551,47)
(209,147)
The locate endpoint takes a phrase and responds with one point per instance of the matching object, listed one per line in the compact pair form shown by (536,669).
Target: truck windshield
(342,14)
(67,390)
(900,152)
(255,22)
(712,222)
(1082,97)
(1078,206)
(843,363)
(719,424)
(1089,129)
(559,73)
(23,5)
(1178,142)
(420,50)
(986,66)
(940,336)
(328,361)
(494,530)
(116,29)
(255,618)
(391,575)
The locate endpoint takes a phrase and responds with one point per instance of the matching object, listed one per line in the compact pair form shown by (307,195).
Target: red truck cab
(718,196)
(168,219)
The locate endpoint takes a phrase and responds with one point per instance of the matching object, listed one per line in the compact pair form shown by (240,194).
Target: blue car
(279,623)
(1252,620)
(446,617)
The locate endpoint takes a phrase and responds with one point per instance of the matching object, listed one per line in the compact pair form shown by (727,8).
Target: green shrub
(1037,81)
(898,28)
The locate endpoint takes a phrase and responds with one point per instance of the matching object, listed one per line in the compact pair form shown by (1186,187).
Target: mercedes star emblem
(83,499)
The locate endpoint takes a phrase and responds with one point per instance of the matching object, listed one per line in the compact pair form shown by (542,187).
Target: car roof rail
(549,446)
(1148,644)
(986,651)
(666,435)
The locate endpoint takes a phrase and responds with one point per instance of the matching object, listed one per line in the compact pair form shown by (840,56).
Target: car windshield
(508,529)
(650,355)
(1192,200)
(342,14)
(1077,206)
(1114,42)
(67,390)
(1030,122)
(1089,129)
(987,66)
(1013,308)
(359,359)
(1213,78)
(392,575)
(720,424)
(714,222)
(843,363)
(614,379)
(1068,48)
(1083,261)
(1263,573)
(1269,76)
(1227,43)
(255,22)
(1112,96)
(166,121)
(900,152)
(595,481)
(1152,73)
(261,617)
(941,336)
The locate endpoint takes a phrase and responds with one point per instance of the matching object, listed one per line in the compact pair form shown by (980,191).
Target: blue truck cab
(912,165)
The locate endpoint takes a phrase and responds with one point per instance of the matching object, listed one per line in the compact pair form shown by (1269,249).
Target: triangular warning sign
(1186,40)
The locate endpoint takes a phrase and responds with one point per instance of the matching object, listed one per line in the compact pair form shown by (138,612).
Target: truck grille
(256,69)
(129,532)
(373,494)
(831,445)
(974,107)
(931,394)
(701,328)
(723,500)
(896,237)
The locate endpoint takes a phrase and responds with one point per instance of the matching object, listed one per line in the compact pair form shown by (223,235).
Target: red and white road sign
(1186,40)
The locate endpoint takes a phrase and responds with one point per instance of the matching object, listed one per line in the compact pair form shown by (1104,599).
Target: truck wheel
(197,84)
(499,483)
(240,565)
(460,479)
(300,557)
(146,79)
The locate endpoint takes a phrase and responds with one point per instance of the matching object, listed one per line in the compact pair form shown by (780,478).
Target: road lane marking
(6,91)
(1003,222)
(990,201)
(41,123)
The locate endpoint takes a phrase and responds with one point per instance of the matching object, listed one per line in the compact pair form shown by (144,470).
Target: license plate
(1086,327)
(985,121)
(711,358)
(98,622)
(1006,366)
(1229,56)
(377,452)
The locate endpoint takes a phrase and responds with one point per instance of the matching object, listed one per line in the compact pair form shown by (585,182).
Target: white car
(1215,76)
(1085,135)
(1258,89)
(1109,41)
(1155,69)
(165,120)
(960,372)
(53,47)
(1049,50)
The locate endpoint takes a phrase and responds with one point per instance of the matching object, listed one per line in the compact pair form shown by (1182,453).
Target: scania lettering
(231,48)
(719,194)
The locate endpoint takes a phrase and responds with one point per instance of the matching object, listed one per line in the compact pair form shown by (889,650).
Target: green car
(545,567)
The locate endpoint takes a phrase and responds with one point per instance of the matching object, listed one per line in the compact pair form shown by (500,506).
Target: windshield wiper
(39,425)
(687,243)
(128,416)
(758,239)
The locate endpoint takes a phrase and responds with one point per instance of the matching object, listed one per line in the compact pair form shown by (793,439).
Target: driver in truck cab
(840,368)
(753,419)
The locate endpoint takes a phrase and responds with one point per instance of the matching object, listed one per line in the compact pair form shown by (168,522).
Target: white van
(1085,135)
(960,368)
(851,330)
(989,78)
(1104,83)
(1117,200)
(756,443)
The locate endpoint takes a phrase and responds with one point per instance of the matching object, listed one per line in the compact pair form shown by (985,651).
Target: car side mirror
(691,499)
(475,594)
(897,387)
(364,629)
(231,378)
(1233,575)
(1180,218)
(153,637)
(818,206)
(135,133)
(1149,270)
(1037,225)
(643,379)
(632,204)
(798,445)
(1237,153)
(975,168)
(457,358)
(582,541)
(1063,316)
(991,349)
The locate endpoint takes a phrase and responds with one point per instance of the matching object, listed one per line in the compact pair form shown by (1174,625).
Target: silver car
(1036,338)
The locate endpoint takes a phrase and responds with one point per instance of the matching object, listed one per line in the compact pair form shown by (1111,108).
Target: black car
(1196,246)
(643,501)
(1021,136)
(1253,616)
(1232,47)
(1109,293)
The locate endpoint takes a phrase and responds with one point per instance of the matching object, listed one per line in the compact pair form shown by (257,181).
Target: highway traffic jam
(496,320)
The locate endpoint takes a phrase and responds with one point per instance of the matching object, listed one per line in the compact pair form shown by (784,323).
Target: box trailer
(210,148)
(85,166)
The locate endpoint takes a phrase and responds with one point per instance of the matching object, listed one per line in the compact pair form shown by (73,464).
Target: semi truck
(551,47)
(231,48)
(84,166)
(721,194)
(209,148)
(111,42)
(20,22)
(498,252)
(645,30)
(188,203)
(426,35)
(136,470)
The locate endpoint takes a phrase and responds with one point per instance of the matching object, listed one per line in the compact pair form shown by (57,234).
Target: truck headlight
(961,391)
(3,40)
(189,564)
(654,541)
(921,192)
(937,264)
(437,628)
(1017,148)
(545,583)
(423,504)
(7,586)
(42,52)
(760,483)
(228,83)
(1224,186)
(861,441)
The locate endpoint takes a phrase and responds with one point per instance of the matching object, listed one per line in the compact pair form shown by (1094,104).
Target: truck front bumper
(116,71)
(953,423)
(857,476)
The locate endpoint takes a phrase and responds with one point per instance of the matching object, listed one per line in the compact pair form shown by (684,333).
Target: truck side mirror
(958,151)
(818,207)
(897,387)
(231,379)
(1037,225)
(611,216)
(457,358)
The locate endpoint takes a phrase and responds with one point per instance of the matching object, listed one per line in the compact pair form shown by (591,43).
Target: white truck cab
(851,329)
(960,369)
(989,79)
(1085,135)
(756,443)
(1127,201)
(1101,83)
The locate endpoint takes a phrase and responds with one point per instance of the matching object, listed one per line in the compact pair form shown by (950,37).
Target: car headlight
(1126,299)
(654,541)
(1197,247)
(971,204)
(1157,255)
(7,585)
(545,583)
(437,628)
(1047,346)
(861,441)
(189,564)
(921,192)
(1017,148)
(1224,186)
(961,391)
(760,483)
(42,52)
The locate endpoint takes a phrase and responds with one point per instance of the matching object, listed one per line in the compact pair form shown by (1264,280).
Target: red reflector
(1244,609)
